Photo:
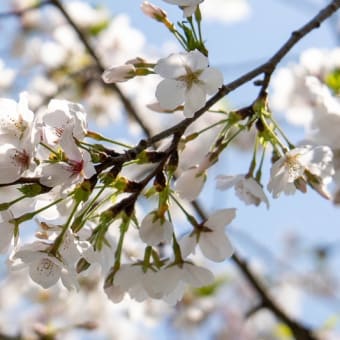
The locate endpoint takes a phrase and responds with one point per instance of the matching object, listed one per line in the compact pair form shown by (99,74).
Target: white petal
(220,218)
(215,246)
(170,93)
(189,184)
(212,80)
(194,100)
(226,182)
(44,272)
(197,276)
(197,61)
(154,231)
(171,67)
(187,245)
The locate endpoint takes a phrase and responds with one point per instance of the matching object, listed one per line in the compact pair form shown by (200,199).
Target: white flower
(18,138)
(190,183)
(133,279)
(188,79)
(246,188)
(77,166)
(15,119)
(44,268)
(61,114)
(292,166)
(167,283)
(188,6)
(155,229)
(211,237)
(14,161)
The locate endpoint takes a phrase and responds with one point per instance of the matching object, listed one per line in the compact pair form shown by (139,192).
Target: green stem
(29,216)
(77,227)
(211,126)
(118,253)
(291,146)
(49,148)
(7,205)
(259,170)
(253,161)
(269,129)
(190,218)
(98,136)
(60,237)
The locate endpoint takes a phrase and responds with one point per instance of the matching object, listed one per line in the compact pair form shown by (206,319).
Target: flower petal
(170,93)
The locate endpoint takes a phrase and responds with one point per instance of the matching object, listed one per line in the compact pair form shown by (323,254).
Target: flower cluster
(86,198)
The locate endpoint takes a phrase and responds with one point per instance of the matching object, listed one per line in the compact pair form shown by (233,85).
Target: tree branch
(300,332)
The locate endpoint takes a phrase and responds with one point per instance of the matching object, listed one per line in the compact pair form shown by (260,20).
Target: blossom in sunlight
(247,189)
(15,160)
(155,229)
(44,268)
(167,283)
(59,115)
(285,171)
(188,79)
(211,237)
(15,118)
(73,170)
(188,6)
(18,139)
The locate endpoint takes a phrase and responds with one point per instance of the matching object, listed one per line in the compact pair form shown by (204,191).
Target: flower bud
(118,74)
(153,11)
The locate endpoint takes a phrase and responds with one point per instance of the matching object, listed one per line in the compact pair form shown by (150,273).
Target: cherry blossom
(188,79)
(44,268)
(15,119)
(77,166)
(59,115)
(211,237)
(286,170)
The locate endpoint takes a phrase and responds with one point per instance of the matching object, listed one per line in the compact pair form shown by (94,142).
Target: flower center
(295,169)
